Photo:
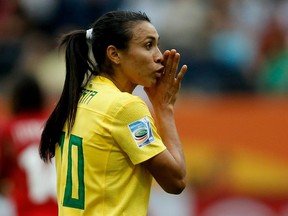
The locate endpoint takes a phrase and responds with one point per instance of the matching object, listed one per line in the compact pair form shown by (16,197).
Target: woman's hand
(163,94)
(168,167)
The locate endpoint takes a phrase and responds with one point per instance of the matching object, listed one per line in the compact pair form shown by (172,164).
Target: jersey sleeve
(135,132)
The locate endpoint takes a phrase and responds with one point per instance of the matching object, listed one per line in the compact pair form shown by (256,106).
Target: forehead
(144,30)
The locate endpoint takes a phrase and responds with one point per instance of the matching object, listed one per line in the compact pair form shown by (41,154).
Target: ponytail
(77,66)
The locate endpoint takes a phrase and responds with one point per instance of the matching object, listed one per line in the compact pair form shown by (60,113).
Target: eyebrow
(149,37)
(152,38)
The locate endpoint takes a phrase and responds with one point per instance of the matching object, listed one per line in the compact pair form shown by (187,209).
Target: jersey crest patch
(141,132)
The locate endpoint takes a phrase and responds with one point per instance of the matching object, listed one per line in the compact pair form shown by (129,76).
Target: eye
(149,46)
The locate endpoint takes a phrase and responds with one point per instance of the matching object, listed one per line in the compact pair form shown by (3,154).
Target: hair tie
(89,34)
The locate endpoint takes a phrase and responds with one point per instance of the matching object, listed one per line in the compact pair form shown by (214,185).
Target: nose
(159,56)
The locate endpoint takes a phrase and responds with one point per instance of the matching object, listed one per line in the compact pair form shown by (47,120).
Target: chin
(151,84)
(154,81)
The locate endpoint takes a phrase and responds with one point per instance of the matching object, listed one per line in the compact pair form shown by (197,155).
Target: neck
(121,84)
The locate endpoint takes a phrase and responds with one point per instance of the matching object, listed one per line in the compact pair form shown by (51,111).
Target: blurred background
(232,111)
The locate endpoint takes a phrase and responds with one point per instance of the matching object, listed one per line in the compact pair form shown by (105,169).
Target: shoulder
(103,90)
(129,101)
(128,108)
(127,98)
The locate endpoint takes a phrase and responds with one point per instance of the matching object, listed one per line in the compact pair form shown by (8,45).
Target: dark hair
(27,96)
(113,28)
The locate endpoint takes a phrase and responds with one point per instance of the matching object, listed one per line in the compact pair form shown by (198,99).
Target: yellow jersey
(99,171)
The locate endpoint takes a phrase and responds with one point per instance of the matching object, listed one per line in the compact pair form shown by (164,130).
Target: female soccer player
(104,139)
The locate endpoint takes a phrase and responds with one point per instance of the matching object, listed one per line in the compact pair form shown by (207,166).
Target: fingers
(175,64)
(181,74)
(171,62)
(165,56)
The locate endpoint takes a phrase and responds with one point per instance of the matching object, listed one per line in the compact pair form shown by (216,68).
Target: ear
(112,54)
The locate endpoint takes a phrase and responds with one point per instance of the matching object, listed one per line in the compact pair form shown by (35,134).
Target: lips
(160,71)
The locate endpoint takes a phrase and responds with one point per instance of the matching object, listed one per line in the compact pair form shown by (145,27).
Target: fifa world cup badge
(141,132)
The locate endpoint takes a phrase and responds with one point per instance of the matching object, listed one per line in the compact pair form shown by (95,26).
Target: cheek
(139,66)
(145,64)
(143,70)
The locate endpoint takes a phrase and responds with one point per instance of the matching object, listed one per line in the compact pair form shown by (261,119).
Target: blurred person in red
(7,207)
(33,183)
